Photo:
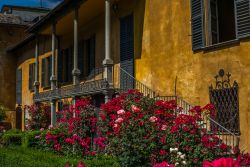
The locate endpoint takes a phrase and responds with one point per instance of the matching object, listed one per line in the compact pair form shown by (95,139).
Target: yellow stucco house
(167,48)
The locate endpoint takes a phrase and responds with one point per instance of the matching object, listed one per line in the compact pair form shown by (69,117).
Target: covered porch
(77,28)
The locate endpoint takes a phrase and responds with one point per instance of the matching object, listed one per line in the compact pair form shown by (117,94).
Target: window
(226,20)
(221,21)
(46,71)
(31,76)
(65,65)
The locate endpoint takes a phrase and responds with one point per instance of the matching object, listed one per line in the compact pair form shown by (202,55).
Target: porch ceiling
(87,11)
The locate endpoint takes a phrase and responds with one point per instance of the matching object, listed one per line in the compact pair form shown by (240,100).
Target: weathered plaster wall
(9,35)
(167,54)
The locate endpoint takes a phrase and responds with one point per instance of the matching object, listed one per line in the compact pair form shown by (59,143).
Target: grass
(27,157)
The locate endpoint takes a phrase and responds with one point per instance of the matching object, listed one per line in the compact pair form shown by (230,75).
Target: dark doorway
(19,117)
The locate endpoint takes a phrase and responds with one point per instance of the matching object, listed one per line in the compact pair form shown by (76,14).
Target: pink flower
(115,125)
(162,152)
(41,129)
(135,108)
(222,162)
(67,165)
(153,119)
(164,127)
(50,127)
(120,112)
(119,120)
(37,137)
(163,164)
(81,165)
(93,153)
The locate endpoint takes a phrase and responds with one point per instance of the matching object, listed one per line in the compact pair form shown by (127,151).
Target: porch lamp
(115,6)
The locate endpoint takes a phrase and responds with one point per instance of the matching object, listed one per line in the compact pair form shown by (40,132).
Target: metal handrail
(140,86)
(181,103)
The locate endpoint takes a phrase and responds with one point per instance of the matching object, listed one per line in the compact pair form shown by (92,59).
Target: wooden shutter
(92,53)
(242,12)
(127,51)
(81,58)
(30,76)
(197,18)
(60,67)
(49,61)
(43,71)
(19,86)
(70,63)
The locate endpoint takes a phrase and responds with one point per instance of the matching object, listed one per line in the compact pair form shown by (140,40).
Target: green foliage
(29,138)
(27,157)
(12,137)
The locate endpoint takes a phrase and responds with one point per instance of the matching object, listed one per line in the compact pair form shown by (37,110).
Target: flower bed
(138,130)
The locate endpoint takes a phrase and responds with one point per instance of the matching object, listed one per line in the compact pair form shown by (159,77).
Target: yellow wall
(167,54)
(163,51)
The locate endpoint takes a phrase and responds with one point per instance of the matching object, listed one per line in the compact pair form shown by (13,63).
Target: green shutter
(43,71)
(30,76)
(92,53)
(81,58)
(49,61)
(242,12)
(70,64)
(197,18)
(60,67)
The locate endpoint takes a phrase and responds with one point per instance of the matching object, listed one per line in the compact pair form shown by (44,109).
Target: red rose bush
(139,131)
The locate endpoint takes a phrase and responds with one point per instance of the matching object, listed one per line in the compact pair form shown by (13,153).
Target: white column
(36,83)
(76,71)
(53,76)
(108,62)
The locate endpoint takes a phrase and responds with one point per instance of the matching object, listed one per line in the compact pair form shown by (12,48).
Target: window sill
(222,45)
(46,87)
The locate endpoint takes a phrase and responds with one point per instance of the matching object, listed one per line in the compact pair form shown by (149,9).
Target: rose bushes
(38,116)
(138,130)
(76,131)
(141,131)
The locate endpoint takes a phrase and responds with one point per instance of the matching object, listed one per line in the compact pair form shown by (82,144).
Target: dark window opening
(31,76)
(222,21)
(46,71)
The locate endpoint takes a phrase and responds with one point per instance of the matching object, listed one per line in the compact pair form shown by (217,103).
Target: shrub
(75,135)
(31,138)
(141,131)
(39,116)
(12,137)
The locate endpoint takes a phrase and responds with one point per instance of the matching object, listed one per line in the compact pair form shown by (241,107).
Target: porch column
(108,62)
(36,83)
(76,71)
(53,76)
(53,112)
